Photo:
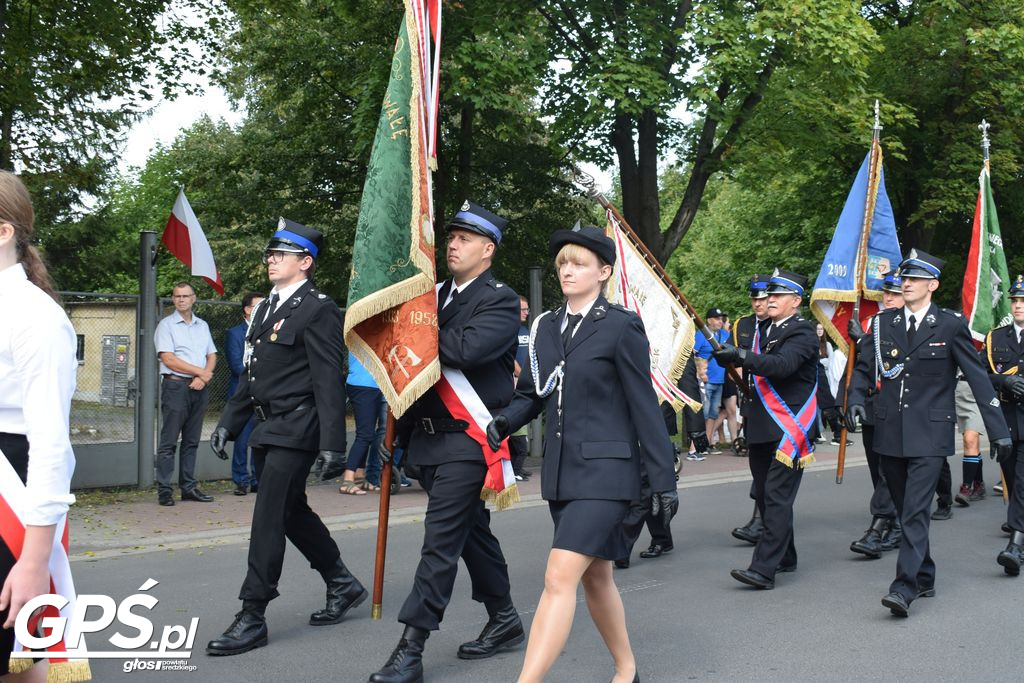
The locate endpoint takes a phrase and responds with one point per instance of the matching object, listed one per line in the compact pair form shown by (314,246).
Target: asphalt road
(689,620)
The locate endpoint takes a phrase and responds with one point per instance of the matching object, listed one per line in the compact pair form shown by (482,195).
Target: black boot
(503,631)
(405,665)
(893,536)
(343,593)
(751,532)
(870,543)
(1012,558)
(247,632)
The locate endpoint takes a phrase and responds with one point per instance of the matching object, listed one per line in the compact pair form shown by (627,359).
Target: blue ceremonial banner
(848,258)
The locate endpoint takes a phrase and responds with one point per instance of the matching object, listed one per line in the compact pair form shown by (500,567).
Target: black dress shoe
(247,632)
(893,536)
(752,578)
(785,568)
(622,564)
(503,631)
(1006,528)
(165,498)
(241,490)
(1012,558)
(344,592)
(927,592)
(751,532)
(897,604)
(405,665)
(656,550)
(870,544)
(943,512)
(196,495)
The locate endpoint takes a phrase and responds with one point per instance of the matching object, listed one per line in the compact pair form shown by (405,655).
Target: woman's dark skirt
(590,527)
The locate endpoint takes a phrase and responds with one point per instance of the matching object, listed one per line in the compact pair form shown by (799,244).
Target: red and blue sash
(795,444)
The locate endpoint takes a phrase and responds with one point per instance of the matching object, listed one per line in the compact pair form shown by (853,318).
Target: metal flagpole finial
(878,119)
(585,181)
(985,142)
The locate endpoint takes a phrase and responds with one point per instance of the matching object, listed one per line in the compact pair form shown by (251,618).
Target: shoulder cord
(879,368)
(543,390)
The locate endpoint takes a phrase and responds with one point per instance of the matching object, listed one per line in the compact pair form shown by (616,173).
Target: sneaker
(998,488)
(714,450)
(405,483)
(696,457)
(978,492)
(835,442)
(963,497)
(519,477)
(819,439)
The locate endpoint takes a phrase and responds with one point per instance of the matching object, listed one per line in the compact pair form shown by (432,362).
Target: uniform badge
(465,206)
(277,326)
(322,296)
(999,368)
(894,353)
(898,319)
(273,336)
(281,224)
(913,254)
(994,403)
(577,227)
(775,273)
(885,366)
(930,319)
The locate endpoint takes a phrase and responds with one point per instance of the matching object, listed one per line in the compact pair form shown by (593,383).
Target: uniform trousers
(638,515)
(775,489)
(1013,472)
(182,410)
(912,483)
(944,487)
(881,498)
(282,512)
(457,524)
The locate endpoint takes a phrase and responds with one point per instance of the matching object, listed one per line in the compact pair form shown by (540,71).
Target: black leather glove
(403,431)
(700,441)
(1015,385)
(665,505)
(855,416)
(832,413)
(729,355)
(497,431)
(855,330)
(219,442)
(332,464)
(1001,450)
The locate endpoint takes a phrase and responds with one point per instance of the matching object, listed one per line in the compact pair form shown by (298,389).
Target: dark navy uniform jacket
(743,337)
(609,412)
(477,334)
(789,360)
(294,376)
(914,413)
(1005,358)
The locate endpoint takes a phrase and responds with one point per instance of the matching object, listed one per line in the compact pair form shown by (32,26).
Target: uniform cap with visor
(921,265)
(758,288)
(474,218)
(294,238)
(787,282)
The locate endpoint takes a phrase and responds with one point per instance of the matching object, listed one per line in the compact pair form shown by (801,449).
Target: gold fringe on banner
(58,672)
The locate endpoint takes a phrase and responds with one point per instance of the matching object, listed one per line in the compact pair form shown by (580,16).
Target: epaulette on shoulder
(887,311)
(951,312)
(495,284)
(620,308)
(317,296)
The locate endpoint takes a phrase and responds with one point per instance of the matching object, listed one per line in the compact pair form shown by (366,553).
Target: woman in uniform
(589,369)
(37,379)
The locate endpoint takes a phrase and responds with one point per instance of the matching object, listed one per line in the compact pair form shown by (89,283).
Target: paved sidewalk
(131,522)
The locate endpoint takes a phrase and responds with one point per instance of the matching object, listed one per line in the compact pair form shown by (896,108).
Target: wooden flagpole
(382,518)
(862,258)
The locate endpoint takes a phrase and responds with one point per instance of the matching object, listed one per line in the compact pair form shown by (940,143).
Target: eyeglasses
(270,256)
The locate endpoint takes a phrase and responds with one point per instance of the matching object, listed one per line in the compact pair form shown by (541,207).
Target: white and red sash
(462,401)
(13,504)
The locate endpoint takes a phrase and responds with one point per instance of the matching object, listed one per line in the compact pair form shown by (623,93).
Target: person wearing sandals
(589,371)
(292,384)
(366,399)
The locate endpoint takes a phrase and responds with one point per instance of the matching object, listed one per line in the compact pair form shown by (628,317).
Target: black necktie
(271,306)
(912,330)
(570,327)
(455,295)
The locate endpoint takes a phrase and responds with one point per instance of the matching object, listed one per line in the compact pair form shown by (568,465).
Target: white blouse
(37,380)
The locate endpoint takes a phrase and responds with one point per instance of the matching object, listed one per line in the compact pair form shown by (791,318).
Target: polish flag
(185,239)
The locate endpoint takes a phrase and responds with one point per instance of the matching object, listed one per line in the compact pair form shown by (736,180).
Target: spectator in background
(366,400)
(187,359)
(238,351)
(715,381)
(519,443)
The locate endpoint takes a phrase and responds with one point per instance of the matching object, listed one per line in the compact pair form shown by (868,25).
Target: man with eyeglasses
(187,358)
(295,386)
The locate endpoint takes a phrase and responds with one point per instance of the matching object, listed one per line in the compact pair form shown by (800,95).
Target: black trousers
(775,489)
(912,482)
(457,524)
(944,487)
(181,410)
(282,512)
(15,448)
(640,514)
(519,448)
(1013,472)
(881,499)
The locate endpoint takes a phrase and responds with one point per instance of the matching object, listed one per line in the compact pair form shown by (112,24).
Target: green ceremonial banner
(391,318)
(985,295)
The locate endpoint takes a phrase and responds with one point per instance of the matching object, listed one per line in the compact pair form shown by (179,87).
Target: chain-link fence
(103,408)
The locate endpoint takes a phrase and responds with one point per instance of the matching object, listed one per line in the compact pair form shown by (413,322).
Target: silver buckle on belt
(427,425)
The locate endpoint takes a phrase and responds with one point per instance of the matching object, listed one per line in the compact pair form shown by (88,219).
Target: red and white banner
(462,401)
(14,502)
(185,239)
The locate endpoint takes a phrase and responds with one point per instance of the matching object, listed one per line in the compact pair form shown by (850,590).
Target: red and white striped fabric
(14,501)
(185,239)
(462,401)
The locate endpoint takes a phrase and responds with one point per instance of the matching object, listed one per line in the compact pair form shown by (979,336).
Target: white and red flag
(185,239)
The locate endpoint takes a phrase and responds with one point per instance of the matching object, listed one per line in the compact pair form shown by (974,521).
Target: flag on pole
(670,331)
(985,295)
(185,239)
(864,247)
(391,318)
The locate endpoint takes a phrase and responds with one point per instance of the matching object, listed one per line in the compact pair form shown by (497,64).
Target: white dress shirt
(456,288)
(283,295)
(918,317)
(583,311)
(38,365)
(1017,329)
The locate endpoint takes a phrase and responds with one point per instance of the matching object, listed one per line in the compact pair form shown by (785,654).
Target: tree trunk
(648,223)
(629,173)
(465,170)
(6,114)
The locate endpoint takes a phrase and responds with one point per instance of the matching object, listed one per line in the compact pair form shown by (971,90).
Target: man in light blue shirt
(187,359)
(714,382)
